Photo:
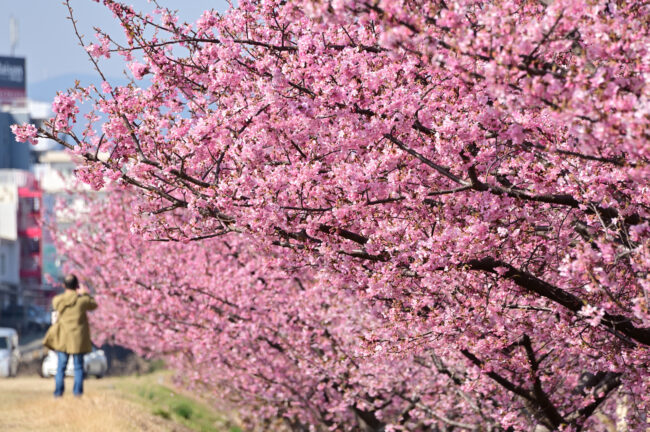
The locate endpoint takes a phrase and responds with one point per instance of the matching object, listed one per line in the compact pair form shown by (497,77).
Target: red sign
(12,95)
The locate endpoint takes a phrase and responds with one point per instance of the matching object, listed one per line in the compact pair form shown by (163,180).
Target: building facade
(55,172)
(9,249)
(21,237)
(23,219)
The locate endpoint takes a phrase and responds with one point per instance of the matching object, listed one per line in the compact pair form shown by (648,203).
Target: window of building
(3,264)
(29,245)
(34,245)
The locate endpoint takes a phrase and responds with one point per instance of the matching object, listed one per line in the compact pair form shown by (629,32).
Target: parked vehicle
(13,316)
(95,363)
(37,317)
(9,352)
(25,318)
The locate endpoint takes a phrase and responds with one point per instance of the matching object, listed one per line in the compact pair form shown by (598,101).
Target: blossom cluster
(439,211)
(25,133)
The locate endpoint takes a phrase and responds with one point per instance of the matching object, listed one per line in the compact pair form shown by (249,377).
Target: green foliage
(183,409)
(162,413)
(149,390)
(156,365)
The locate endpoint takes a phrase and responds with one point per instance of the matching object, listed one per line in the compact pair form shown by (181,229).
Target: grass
(149,402)
(184,410)
(163,401)
(162,413)
(27,406)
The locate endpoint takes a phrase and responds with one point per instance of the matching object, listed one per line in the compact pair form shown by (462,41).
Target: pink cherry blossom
(138,70)
(388,214)
(25,133)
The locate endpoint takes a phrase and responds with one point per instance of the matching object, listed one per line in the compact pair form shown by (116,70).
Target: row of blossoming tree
(378,214)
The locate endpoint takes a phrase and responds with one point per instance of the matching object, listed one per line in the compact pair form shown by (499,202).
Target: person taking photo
(73,334)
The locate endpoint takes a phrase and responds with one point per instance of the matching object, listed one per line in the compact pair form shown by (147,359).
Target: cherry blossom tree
(239,323)
(471,174)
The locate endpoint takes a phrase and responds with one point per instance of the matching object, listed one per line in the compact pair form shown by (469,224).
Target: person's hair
(71,282)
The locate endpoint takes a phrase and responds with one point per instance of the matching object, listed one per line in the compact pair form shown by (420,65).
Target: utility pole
(13,34)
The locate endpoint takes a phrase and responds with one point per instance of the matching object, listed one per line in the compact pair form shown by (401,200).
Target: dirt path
(27,404)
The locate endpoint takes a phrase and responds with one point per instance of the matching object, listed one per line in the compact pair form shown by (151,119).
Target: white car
(95,363)
(9,353)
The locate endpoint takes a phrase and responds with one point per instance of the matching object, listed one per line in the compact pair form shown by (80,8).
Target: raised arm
(87,301)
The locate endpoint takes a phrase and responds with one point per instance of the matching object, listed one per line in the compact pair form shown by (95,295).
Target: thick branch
(617,323)
(503,382)
(603,389)
(442,170)
(550,412)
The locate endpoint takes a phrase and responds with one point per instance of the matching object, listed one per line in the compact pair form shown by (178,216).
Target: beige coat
(74,332)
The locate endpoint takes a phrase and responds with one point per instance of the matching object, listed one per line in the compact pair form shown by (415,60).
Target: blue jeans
(78,359)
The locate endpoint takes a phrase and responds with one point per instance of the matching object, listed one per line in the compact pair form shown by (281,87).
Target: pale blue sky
(47,39)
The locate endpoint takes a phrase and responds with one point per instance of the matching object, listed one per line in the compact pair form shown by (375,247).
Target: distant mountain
(46,90)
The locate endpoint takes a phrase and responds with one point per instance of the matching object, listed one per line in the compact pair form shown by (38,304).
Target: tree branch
(617,323)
